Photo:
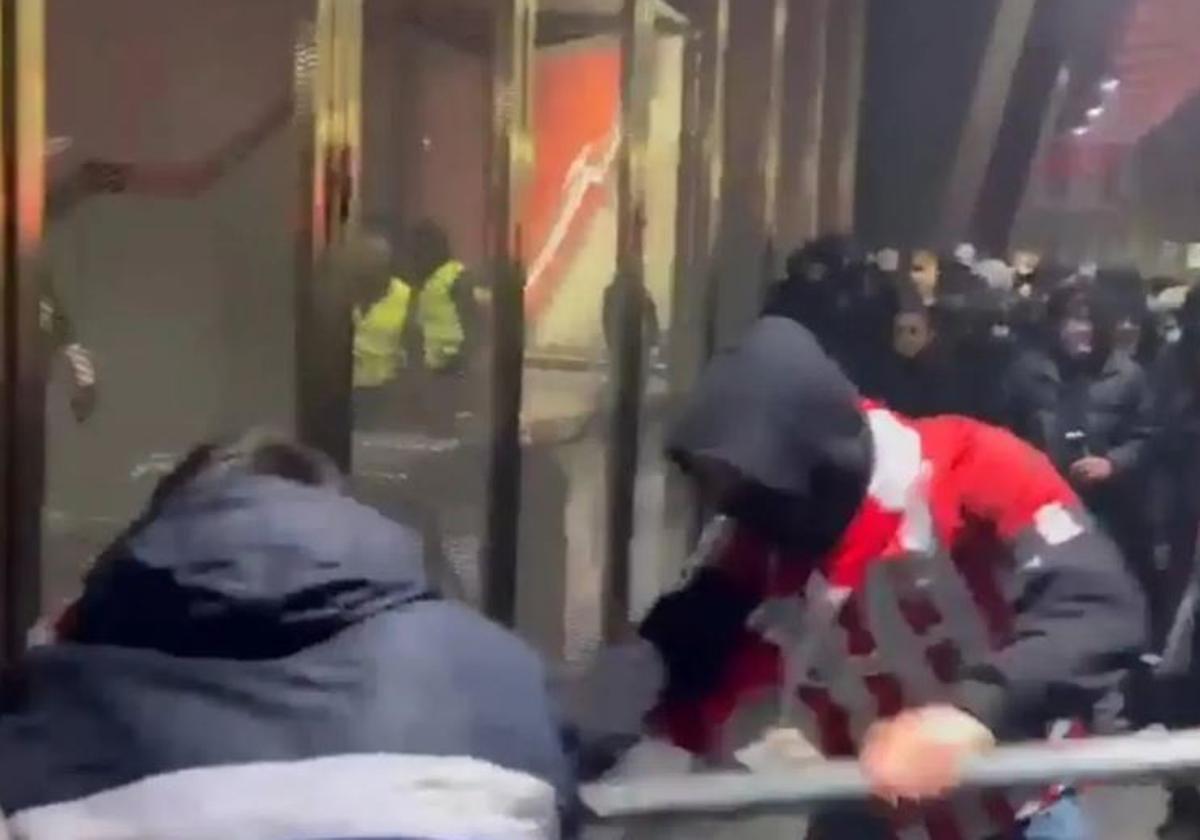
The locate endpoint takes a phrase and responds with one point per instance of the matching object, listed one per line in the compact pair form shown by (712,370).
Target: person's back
(266,646)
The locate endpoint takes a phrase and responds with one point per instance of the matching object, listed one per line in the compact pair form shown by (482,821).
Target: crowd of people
(1097,368)
(952,508)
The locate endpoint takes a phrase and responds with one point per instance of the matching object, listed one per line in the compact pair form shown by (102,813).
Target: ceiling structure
(1150,68)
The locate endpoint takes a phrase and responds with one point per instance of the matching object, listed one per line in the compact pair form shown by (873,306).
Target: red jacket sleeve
(1078,619)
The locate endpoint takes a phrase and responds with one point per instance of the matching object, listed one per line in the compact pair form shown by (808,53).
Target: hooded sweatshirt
(263,659)
(940,561)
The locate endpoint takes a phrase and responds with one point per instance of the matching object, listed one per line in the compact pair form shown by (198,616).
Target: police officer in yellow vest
(422,318)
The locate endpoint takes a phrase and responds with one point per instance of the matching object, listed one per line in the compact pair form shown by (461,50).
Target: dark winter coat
(1176,454)
(272,650)
(923,386)
(1104,409)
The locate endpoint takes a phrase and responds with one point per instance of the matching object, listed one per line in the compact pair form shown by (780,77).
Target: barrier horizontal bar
(1127,758)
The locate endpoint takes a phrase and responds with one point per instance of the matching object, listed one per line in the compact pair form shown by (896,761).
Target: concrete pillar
(752,102)
(842,103)
(985,115)
(803,120)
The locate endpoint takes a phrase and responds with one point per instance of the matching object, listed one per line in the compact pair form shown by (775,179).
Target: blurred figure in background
(443,327)
(60,336)
(924,274)
(1026,265)
(380,309)
(414,315)
(870,299)
(1177,470)
(918,379)
(810,296)
(263,631)
(957,277)
(1089,407)
(973,329)
(1177,447)
(610,314)
(1128,298)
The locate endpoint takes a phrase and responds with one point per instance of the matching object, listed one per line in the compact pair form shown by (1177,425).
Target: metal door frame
(638,56)
(328,88)
(22,144)
(514,38)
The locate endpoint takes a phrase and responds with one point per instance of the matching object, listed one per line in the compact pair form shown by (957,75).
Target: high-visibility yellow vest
(441,322)
(379,352)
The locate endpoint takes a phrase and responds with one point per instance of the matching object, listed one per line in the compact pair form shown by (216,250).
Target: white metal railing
(1131,758)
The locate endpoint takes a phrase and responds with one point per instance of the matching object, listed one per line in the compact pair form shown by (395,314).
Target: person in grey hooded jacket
(259,656)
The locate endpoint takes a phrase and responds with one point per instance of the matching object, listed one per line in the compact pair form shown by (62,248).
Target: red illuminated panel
(577,99)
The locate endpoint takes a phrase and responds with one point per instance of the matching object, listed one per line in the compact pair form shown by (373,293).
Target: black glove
(696,630)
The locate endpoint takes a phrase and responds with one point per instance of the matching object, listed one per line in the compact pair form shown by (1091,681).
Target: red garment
(914,590)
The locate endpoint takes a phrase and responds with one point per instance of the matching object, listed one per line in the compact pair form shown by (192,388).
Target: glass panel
(569,220)
(174,179)
(659,532)
(422,285)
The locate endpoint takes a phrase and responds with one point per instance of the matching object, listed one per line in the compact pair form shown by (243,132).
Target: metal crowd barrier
(1127,759)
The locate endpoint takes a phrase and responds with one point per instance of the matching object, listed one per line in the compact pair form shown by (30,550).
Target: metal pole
(1129,758)
(803,121)
(842,104)
(22,427)
(514,35)
(638,48)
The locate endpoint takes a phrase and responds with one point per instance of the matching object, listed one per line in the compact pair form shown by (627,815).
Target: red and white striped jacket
(915,606)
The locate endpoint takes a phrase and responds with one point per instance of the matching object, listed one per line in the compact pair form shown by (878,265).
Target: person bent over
(916,590)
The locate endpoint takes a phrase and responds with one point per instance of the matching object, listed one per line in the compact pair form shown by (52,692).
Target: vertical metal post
(701,164)
(772,140)
(716,79)
(328,91)
(512,68)
(637,75)
(751,124)
(803,120)
(984,117)
(23,143)
(842,105)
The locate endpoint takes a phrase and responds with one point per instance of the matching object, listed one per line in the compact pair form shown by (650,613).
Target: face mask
(910,337)
(1075,336)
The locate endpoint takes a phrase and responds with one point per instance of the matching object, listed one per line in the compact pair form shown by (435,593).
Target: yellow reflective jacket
(379,352)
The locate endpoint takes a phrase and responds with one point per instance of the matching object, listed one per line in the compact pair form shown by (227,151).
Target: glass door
(435,280)
(183,172)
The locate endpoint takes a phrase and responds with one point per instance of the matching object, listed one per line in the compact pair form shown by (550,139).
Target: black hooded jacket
(785,418)
(1101,405)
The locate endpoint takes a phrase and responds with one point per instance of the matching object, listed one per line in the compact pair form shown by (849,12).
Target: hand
(1092,470)
(920,753)
(83,402)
